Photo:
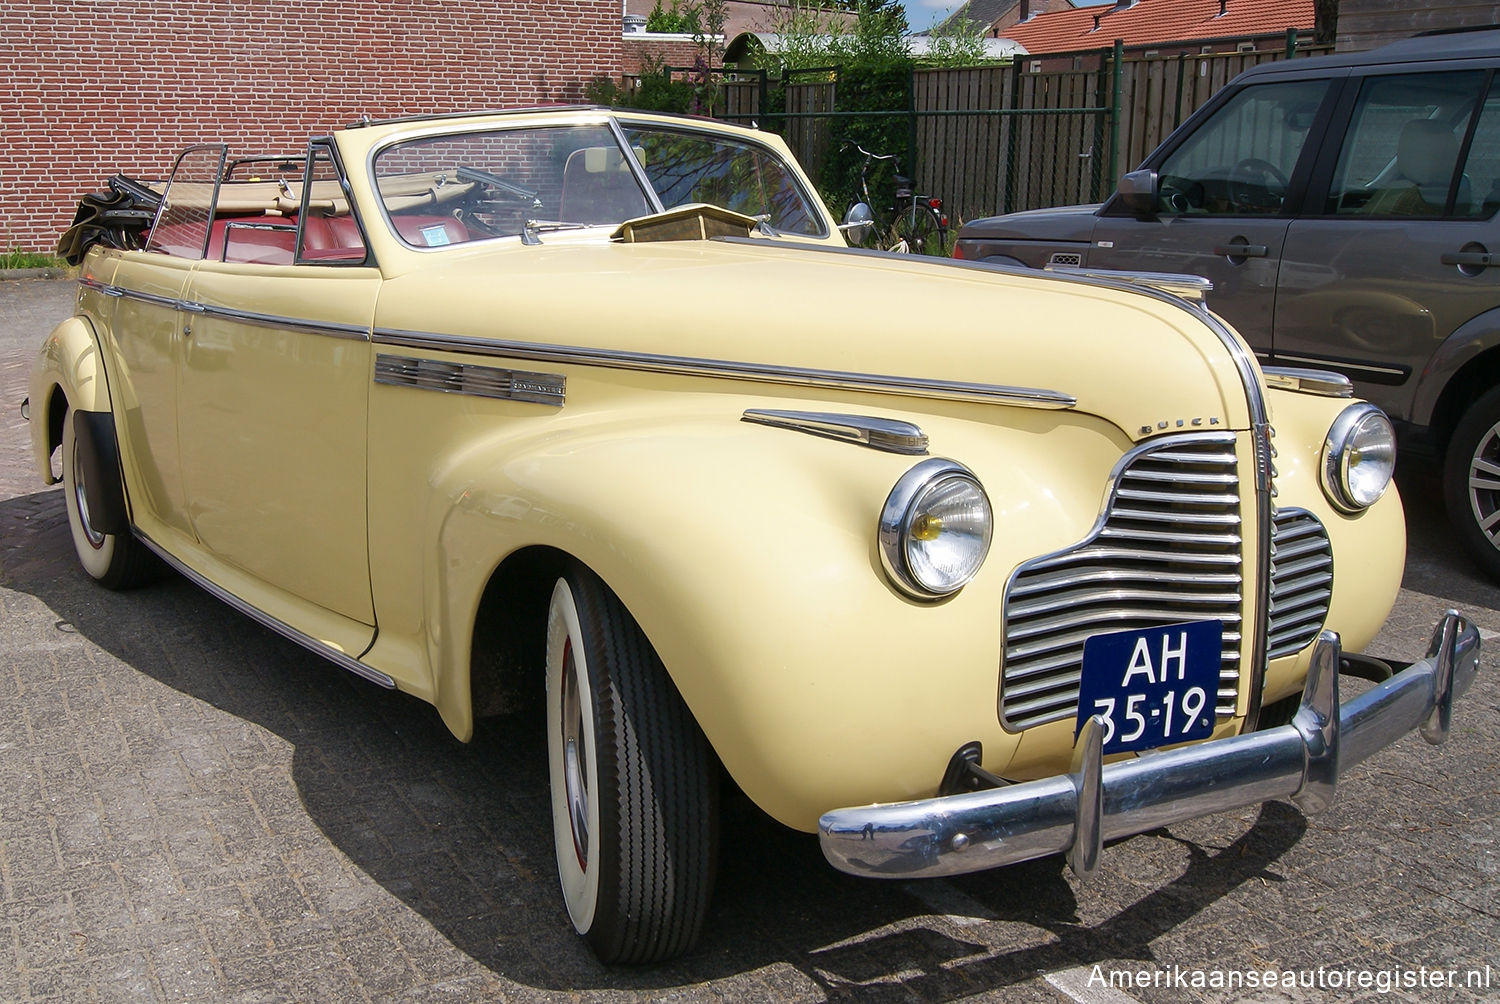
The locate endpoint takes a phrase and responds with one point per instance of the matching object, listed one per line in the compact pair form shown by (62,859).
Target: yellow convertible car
(598,406)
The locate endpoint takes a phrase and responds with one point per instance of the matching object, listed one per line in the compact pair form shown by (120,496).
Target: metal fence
(1000,139)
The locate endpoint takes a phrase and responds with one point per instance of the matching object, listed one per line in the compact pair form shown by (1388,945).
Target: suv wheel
(1471,481)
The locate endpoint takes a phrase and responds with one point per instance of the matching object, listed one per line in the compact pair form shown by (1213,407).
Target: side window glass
(187,207)
(1482,169)
(1240,161)
(1401,150)
(327,226)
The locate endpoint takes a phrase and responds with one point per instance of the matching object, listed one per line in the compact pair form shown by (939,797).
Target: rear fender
(69,364)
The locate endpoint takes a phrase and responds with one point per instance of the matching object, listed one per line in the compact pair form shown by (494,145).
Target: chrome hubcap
(1484,484)
(575,758)
(80,497)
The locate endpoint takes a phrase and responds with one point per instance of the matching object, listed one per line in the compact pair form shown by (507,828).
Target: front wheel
(114,560)
(634,783)
(1471,481)
(917,230)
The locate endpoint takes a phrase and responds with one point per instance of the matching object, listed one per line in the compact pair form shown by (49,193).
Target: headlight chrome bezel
(1334,464)
(901,509)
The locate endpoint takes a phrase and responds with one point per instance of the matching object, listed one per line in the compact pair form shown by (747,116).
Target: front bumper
(1078,811)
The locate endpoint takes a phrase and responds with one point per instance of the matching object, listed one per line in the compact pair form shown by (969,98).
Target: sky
(923,14)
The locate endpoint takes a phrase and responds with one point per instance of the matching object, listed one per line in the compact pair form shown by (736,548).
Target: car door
(1227,193)
(146,341)
(1393,260)
(273,398)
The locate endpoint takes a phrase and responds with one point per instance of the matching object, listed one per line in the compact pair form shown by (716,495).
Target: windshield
(457,188)
(688,167)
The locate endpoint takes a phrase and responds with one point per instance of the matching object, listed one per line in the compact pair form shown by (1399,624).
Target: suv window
(1482,169)
(1240,161)
(1402,147)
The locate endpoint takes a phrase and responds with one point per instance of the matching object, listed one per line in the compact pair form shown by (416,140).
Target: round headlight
(1359,457)
(935,529)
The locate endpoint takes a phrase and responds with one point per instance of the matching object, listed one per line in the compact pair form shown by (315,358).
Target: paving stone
(193,809)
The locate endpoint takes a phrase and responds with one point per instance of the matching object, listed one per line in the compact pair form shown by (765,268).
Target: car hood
(778,311)
(1065,223)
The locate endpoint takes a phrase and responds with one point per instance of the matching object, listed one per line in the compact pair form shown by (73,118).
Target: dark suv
(1344,209)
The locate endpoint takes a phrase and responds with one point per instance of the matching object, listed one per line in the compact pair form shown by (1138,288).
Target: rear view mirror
(858,222)
(1138,192)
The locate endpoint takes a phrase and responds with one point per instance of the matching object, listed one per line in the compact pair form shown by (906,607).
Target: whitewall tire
(114,560)
(634,784)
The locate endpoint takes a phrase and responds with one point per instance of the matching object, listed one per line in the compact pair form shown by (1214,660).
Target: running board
(288,632)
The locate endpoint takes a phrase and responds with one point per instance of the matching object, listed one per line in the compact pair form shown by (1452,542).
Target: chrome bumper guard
(1076,812)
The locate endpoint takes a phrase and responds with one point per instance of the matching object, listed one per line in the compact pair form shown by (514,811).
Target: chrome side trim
(329,329)
(1320,382)
(467,378)
(1386,371)
(969,832)
(326,328)
(1024,397)
(884,434)
(169,302)
(1193,288)
(288,632)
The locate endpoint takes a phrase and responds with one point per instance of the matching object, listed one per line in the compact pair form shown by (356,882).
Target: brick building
(98,86)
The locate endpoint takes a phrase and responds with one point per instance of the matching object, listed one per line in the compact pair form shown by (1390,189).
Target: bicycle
(914,224)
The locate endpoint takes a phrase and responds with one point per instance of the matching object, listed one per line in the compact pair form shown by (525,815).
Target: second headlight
(935,529)
(1359,457)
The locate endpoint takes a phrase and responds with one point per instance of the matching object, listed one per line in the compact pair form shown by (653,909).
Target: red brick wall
(88,89)
(643,49)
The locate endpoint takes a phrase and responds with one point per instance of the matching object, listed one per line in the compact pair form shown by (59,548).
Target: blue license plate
(1153,686)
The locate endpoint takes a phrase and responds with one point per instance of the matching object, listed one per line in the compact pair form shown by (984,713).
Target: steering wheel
(1257,185)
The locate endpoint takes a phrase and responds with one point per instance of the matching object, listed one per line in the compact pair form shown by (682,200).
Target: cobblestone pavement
(192,808)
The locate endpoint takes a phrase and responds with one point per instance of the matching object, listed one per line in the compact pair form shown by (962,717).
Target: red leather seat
(427,231)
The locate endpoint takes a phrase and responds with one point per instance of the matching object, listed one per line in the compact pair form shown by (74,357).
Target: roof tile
(1149,21)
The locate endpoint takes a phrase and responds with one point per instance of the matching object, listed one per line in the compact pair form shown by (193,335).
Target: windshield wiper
(533,227)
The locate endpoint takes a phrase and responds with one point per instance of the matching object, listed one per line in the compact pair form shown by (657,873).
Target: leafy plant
(678,19)
(873,75)
(958,41)
(653,91)
(16,258)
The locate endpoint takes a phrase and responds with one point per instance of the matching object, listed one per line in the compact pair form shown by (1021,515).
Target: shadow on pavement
(461,833)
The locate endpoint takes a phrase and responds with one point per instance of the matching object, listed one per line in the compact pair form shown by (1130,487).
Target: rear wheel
(114,560)
(918,228)
(634,783)
(1471,481)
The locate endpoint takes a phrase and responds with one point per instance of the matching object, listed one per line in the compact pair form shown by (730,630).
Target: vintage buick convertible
(601,403)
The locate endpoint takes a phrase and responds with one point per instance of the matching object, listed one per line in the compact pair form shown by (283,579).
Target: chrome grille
(1301,581)
(1166,550)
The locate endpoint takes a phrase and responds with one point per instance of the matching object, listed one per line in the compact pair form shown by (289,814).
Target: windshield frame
(616,124)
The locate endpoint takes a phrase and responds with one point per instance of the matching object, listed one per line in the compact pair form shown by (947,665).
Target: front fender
(748,556)
(69,363)
(1369,548)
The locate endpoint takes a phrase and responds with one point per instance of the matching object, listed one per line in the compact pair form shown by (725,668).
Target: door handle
(1479,258)
(1241,250)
